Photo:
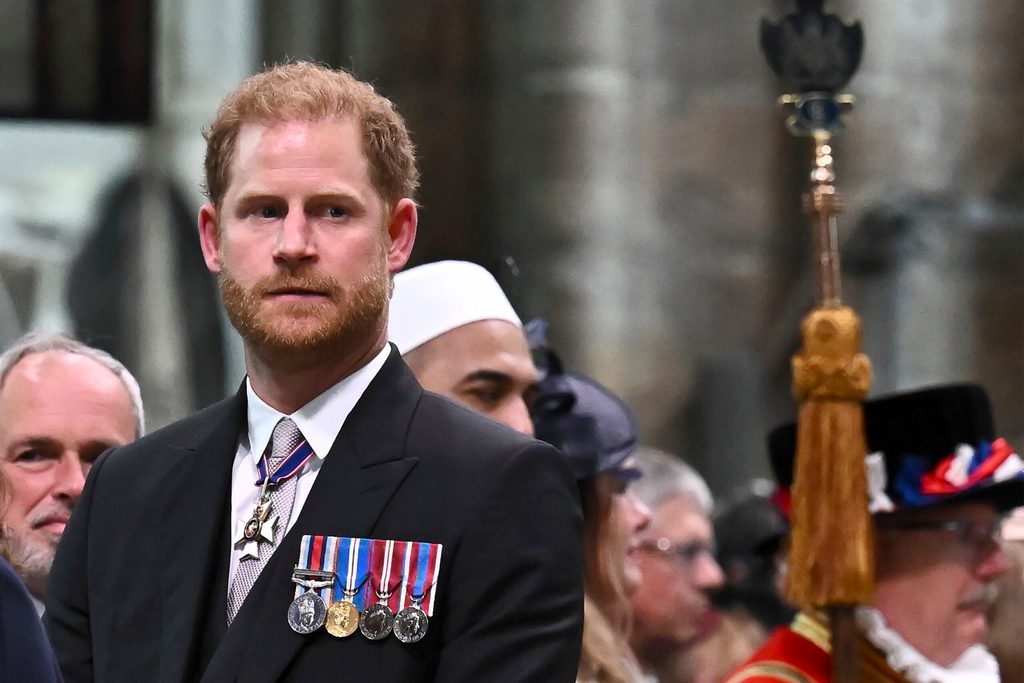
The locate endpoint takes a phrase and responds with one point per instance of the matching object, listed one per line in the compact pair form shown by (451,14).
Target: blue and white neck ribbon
(288,468)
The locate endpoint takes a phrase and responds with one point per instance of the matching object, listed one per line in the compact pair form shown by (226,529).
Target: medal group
(374,586)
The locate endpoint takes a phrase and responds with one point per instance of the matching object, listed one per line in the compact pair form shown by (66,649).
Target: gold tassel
(831,555)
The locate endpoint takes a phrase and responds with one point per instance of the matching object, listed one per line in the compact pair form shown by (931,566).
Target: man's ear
(401,234)
(209,236)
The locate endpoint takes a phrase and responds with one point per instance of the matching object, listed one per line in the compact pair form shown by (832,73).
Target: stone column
(632,168)
(203,51)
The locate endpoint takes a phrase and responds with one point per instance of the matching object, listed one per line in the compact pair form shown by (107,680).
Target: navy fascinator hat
(584,420)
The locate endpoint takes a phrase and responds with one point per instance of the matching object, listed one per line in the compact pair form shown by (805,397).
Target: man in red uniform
(938,483)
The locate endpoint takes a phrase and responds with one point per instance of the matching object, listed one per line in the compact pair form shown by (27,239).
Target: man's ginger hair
(301,91)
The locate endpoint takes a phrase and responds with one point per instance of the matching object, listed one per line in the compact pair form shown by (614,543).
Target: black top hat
(938,446)
(585,421)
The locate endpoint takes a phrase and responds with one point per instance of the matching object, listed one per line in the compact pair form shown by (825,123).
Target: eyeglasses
(969,533)
(687,552)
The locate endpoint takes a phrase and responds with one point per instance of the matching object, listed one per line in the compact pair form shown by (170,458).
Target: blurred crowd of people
(592,558)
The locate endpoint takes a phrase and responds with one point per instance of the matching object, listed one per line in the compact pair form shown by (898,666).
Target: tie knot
(285,438)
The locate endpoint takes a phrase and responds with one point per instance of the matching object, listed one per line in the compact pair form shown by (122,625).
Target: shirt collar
(321,419)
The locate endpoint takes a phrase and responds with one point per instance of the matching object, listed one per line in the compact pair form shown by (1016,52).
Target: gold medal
(342,618)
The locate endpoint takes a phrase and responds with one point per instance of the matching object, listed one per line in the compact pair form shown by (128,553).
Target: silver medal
(410,625)
(376,621)
(307,613)
(258,528)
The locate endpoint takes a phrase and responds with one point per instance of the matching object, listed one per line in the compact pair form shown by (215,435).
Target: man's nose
(295,240)
(70,477)
(995,564)
(517,416)
(707,573)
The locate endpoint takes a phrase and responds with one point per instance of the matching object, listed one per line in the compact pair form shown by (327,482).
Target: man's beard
(306,332)
(31,558)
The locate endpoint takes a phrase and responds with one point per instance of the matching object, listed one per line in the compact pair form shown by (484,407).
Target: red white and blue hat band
(968,468)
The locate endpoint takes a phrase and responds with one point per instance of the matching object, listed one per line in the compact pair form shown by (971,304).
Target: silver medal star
(249,543)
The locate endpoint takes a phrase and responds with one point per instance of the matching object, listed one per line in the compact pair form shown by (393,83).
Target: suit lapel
(361,473)
(197,494)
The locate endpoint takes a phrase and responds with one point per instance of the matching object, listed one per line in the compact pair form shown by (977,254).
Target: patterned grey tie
(283,442)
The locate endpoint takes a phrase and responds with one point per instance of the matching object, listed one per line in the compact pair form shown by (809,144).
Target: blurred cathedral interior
(622,167)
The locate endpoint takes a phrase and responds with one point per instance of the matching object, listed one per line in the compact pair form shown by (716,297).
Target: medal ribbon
(422,562)
(384,576)
(288,468)
(331,565)
(373,557)
(395,575)
(319,553)
(356,553)
(386,572)
(435,569)
(373,565)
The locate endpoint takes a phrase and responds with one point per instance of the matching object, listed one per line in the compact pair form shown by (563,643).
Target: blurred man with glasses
(675,555)
(939,481)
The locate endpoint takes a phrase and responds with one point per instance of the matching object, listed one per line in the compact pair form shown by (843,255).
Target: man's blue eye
(267,212)
(335,212)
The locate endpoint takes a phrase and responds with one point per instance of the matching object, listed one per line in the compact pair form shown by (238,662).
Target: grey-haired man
(62,404)
(675,555)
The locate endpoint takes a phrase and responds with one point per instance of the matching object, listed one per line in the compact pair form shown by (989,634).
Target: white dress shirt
(320,420)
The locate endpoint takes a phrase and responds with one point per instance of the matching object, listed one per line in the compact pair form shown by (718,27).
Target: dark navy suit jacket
(25,654)
(139,585)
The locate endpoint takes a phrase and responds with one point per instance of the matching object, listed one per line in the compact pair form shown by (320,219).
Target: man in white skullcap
(458,332)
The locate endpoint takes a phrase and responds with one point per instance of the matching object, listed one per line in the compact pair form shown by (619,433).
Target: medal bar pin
(312,584)
(300,572)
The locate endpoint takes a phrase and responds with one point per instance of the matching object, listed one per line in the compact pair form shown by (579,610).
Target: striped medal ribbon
(422,564)
(314,576)
(348,598)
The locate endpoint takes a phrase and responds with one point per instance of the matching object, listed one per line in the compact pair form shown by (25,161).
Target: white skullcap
(432,299)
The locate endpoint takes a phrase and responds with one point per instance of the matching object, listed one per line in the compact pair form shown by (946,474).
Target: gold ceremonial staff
(831,554)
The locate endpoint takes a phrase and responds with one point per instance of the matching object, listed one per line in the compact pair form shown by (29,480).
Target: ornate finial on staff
(831,560)
(817,53)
